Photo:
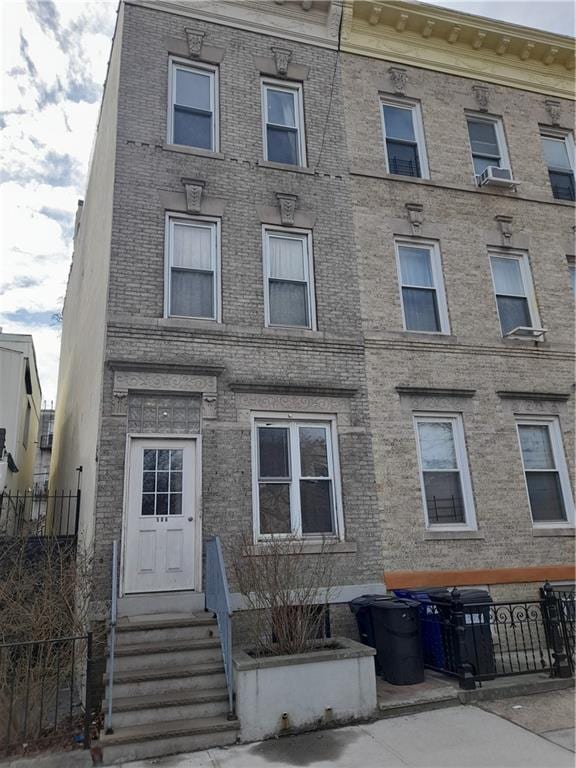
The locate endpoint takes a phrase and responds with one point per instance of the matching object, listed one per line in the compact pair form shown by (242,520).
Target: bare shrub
(286,590)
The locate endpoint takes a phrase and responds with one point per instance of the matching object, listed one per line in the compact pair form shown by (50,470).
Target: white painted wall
(80,375)
(310,689)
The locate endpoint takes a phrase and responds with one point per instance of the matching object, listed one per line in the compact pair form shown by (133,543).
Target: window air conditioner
(496,177)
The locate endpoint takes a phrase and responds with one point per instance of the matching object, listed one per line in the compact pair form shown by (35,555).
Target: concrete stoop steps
(170,692)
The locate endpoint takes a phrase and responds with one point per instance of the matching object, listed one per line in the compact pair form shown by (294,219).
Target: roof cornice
(458,43)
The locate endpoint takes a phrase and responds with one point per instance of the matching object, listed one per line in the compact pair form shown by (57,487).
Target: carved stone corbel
(398,76)
(195,38)
(481,94)
(282,57)
(553,107)
(287,205)
(505,226)
(194,189)
(415,216)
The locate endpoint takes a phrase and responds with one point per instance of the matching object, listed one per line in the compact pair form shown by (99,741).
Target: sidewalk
(458,737)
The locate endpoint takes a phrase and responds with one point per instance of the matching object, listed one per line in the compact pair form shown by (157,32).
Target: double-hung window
(296,488)
(423,298)
(193,115)
(283,123)
(558,150)
(404,139)
(487,143)
(192,280)
(545,470)
(288,279)
(445,477)
(514,292)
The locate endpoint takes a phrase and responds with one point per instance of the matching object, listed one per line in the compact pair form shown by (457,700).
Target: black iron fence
(483,640)
(35,513)
(45,699)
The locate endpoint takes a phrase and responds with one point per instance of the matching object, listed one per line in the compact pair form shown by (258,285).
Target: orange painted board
(410,579)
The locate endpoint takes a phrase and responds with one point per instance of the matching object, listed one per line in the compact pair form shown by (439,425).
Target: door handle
(190,519)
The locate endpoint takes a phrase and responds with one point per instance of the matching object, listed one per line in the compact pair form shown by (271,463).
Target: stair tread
(169,728)
(169,698)
(160,673)
(166,646)
(160,621)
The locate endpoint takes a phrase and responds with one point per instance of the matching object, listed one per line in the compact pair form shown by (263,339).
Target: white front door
(160,516)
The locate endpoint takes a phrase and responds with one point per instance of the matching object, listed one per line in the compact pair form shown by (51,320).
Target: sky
(54,57)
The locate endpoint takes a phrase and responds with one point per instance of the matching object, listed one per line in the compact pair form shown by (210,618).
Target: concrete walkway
(458,737)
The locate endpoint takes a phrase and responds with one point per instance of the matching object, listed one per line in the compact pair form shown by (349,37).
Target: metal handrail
(113,618)
(218,601)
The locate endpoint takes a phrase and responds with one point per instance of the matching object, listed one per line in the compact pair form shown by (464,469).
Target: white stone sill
(193,151)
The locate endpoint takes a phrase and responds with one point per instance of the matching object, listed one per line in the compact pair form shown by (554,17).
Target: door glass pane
(555,153)
(536,446)
(282,145)
(437,445)
(546,500)
(287,257)
(192,89)
(420,310)
(162,482)
(149,482)
(192,129)
(403,158)
(507,276)
(148,503)
(313,452)
(444,500)
(163,461)
(192,294)
(288,303)
(162,504)
(416,266)
(398,122)
(192,247)
(281,108)
(175,504)
(483,138)
(162,472)
(514,313)
(274,508)
(316,506)
(273,452)
(149,459)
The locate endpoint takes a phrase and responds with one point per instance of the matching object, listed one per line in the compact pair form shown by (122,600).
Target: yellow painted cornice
(460,44)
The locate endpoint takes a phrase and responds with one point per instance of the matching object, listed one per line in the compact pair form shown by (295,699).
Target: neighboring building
(467,306)
(44,452)
(290,303)
(20,398)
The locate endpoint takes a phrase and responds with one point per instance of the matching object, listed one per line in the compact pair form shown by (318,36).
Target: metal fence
(218,601)
(484,640)
(34,513)
(45,699)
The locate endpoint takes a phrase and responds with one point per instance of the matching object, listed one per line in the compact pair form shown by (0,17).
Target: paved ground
(549,714)
(458,737)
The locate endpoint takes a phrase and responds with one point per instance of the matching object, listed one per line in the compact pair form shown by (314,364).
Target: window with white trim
(289,282)
(296,484)
(283,123)
(404,139)
(514,292)
(545,471)
(487,143)
(192,279)
(558,151)
(422,286)
(444,472)
(193,113)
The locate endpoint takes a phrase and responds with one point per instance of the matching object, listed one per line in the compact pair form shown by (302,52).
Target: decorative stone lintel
(194,189)
(165,382)
(481,94)
(398,76)
(560,397)
(282,57)
(195,38)
(276,388)
(553,107)
(435,391)
(287,205)
(505,226)
(415,216)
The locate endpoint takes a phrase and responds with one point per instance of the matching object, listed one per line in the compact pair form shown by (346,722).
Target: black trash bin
(360,607)
(479,647)
(396,624)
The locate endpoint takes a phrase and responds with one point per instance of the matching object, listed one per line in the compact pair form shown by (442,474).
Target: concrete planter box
(282,694)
